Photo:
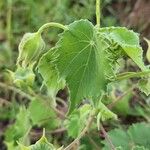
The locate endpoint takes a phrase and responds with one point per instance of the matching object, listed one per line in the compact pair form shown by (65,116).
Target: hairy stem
(84,131)
(107,138)
(8,21)
(51,24)
(98,13)
(129,75)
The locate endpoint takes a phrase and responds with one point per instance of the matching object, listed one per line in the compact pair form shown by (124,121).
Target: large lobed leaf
(82,61)
(85,57)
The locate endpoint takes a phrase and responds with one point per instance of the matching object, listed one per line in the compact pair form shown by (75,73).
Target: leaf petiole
(129,75)
(51,24)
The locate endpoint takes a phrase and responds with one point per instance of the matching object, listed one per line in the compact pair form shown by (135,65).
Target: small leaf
(41,144)
(144,86)
(77,120)
(49,72)
(104,114)
(20,127)
(46,116)
(23,77)
(127,40)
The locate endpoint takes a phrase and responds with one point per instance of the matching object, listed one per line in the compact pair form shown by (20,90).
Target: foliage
(86,61)
(136,137)
(41,144)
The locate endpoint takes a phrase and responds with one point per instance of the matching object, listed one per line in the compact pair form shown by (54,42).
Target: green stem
(9,16)
(129,75)
(98,13)
(84,131)
(51,24)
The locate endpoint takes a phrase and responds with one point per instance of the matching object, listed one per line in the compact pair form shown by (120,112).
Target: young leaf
(20,127)
(104,114)
(127,40)
(144,86)
(46,116)
(77,120)
(50,74)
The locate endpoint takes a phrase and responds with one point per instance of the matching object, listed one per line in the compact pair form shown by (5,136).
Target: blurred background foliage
(20,16)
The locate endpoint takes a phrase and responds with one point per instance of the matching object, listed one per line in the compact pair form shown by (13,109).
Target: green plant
(85,60)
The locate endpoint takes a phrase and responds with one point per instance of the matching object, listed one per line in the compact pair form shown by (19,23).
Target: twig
(3,85)
(107,137)
(89,122)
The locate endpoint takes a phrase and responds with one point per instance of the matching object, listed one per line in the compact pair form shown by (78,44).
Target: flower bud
(30,48)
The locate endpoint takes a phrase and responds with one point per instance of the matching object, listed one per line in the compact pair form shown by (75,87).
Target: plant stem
(98,13)
(107,137)
(9,16)
(51,24)
(129,75)
(89,122)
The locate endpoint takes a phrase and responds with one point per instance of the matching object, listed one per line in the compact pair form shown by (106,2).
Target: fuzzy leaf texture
(30,48)
(77,120)
(46,116)
(136,137)
(50,74)
(20,127)
(81,61)
(41,144)
(123,42)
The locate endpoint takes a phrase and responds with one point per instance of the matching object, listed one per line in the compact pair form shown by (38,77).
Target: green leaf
(136,135)
(23,77)
(20,127)
(42,114)
(144,86)
(139,134)
(127,40)
(104,114)
(49,72)
(41,144)
(81,61)
(77,120)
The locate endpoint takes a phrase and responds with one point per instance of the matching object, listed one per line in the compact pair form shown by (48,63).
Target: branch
(84,131)
(107,138)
